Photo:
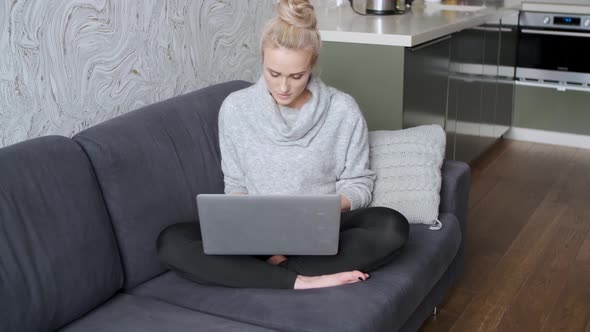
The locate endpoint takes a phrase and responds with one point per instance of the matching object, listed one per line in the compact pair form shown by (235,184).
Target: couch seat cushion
(128,313)
(383,303)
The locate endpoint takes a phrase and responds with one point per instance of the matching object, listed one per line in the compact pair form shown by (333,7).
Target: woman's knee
(175,236)
(393,226)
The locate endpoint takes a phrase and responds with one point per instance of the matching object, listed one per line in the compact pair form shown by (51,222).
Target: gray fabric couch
(79,220)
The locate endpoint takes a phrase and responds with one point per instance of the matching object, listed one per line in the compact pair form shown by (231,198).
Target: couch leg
(435,311)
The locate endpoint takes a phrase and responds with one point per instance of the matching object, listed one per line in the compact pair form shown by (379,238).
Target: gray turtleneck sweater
(321,148)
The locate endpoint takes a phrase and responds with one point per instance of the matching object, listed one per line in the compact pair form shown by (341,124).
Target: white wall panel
(68,64)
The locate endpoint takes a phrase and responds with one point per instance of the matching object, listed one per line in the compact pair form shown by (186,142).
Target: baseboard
(548,137)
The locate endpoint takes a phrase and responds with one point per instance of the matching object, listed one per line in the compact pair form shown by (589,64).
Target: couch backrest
(151,163)
(58,253)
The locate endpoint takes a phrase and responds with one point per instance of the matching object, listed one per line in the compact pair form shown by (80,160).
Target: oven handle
(556,33)
(558,87)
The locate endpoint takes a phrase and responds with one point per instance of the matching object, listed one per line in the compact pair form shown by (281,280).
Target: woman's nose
(285,84)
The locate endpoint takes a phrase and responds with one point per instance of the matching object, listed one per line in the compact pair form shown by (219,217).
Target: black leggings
(369,238)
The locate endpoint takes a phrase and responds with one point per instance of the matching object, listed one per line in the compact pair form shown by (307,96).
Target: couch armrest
(454,192)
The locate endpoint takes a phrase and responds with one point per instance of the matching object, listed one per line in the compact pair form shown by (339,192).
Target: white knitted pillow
(408,163)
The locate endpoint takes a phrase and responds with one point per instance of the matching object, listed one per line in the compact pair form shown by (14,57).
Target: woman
(291,134)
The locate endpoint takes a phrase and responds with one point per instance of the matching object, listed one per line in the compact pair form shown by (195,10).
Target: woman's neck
(301,100)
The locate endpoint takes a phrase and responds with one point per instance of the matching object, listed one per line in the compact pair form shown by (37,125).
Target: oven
(554,49)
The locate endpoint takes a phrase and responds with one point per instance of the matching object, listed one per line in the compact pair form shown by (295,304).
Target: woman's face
(286,73)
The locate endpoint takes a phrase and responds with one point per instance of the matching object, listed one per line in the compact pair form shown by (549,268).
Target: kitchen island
(423,22)
(439,63)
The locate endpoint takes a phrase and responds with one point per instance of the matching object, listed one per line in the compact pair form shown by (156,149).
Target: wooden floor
(528,243)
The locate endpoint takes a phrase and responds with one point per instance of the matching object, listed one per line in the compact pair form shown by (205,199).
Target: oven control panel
(555,21)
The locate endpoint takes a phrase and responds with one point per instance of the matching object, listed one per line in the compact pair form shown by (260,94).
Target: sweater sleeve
(356,180)
(233,176)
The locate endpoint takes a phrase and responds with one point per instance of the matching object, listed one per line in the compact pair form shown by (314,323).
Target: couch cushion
(151,164)
(382,303)
(58,256)
(127,313)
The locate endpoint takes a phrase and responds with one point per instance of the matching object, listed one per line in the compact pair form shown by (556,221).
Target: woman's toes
(329,280)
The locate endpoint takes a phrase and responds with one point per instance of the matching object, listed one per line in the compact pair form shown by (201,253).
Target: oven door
(554,55)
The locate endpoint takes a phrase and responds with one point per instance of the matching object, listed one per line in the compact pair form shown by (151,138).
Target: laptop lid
(269,225)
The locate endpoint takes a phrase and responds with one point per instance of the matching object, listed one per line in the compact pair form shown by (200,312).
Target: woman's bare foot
(329,280)
(276,259)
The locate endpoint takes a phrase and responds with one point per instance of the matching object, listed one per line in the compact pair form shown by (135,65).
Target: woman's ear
(314,60)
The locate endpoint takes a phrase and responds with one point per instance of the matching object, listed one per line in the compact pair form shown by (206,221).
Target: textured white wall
(68,64)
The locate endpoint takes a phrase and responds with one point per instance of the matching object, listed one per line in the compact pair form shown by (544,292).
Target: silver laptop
(269,225)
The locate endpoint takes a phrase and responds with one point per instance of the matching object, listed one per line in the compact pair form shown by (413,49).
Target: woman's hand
(345,204)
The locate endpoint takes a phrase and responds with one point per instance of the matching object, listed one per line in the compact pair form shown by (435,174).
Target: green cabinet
(426,80)
(462,82)
(372,74)
(481,85)
(506,71)
(547,107)
(426,77)
(466,84)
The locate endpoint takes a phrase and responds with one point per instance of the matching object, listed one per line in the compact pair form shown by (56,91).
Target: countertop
(424,22)
(581,7)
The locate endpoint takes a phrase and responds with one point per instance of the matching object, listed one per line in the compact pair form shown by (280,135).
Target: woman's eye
(274,74)
(297,76)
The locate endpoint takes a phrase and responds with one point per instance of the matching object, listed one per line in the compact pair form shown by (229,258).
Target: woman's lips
(283,96)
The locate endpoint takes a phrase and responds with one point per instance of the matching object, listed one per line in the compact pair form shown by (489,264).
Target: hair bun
(298,13)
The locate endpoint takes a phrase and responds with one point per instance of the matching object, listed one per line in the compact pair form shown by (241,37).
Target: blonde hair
(294,27)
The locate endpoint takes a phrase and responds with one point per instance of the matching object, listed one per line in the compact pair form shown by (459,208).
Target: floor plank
(528,243)
(503,155)
(497,290)
(573,310)
(457,303)
(538,296)
(498,219)
(481,185)
(443,321)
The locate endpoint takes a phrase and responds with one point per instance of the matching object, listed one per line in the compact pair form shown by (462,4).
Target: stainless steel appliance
(379,7)
(554,48)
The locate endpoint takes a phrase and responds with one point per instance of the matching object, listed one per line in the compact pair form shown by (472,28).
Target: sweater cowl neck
(312,114)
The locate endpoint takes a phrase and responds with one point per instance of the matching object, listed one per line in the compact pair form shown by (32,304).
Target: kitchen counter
(580,7)
(424,22)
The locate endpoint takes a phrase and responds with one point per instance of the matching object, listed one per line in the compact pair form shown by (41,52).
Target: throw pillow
(408,164)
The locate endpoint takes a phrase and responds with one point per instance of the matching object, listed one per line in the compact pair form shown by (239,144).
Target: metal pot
(379,7)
